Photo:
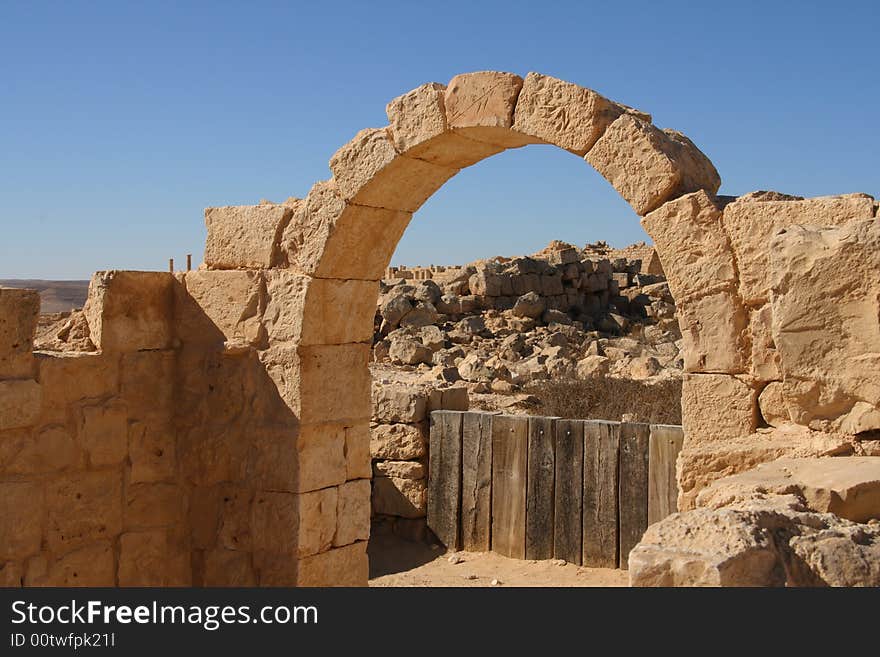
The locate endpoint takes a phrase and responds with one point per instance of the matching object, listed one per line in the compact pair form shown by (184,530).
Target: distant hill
(55,296)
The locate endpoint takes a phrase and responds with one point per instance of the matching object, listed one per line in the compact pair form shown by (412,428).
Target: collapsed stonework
(220,433)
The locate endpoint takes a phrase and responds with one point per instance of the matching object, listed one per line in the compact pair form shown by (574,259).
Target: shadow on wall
(171,457)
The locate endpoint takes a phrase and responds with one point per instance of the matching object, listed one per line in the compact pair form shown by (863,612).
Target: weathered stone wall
(399,449)
(226,415)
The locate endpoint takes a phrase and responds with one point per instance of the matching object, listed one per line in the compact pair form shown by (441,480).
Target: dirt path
(395,562)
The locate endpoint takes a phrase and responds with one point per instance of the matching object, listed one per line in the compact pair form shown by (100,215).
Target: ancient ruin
(219,434)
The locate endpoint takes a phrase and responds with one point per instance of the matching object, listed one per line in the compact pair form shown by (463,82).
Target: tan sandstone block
(103,432)
(418,128)
(330,238)
(398,441)
(147,384)
(242,237)
(153,505)
(406,498)
(83,507)
(562,113)
(20,403)
(19,310)
(714,331)
(11,574)
(158,557)
(311,311)
(771,403)
(307,459)
(357,450)
(22,519)
(400,469)
(344,566)
(480,106)
(295,524)
(227,304)
(369,171)
(130,310)
(825,322)
(29,452)
(765,356)
(228,568)
(648,166)
(353,512)
(152,452)
(716,407)
(308,380)
(398,403)
(234,531)
(752,223)
(72,377)
(689,233)
(92,565)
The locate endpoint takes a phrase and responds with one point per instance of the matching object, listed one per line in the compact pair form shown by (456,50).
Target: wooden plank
(601,446)
(444,478)
(476,481)
(568,491)
(633,489)
(510,443)
(663,448)
(539,488)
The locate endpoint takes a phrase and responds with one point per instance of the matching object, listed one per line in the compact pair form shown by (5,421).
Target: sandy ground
(396,562)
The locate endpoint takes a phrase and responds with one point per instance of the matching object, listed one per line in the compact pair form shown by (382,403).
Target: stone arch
(342,235)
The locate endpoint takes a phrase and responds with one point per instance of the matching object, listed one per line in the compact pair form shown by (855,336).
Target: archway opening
(452,321)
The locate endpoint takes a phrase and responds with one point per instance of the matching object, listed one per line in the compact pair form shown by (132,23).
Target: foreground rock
(764,529)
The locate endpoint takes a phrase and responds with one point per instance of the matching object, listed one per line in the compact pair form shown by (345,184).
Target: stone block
(352,512)
(357,451)
(152,505)
(244,237)
(19,310)
(147,384)
(398,403)
(752,223)
(228,568)
(562,113)
(103,432)
(648,166)
(130,310)
(152,452)
(158,557)
(406,498)
(31,452)
(67,378)
(369,171)
(83,507)
(20,403)
(398,441)
(343,566)
(22,519)
(224,306)
(91,565)
(714,330)
(296,524)
(717,407)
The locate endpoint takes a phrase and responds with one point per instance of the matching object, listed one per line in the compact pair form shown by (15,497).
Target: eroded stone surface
(245,236)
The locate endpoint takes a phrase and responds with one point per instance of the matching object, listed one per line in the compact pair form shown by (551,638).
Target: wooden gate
(534,487)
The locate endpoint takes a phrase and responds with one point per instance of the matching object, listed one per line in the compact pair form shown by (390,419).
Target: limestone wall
(399,447)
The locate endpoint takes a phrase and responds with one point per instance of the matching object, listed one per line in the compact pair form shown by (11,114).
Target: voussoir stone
(369,171)
(562,113)
(419,129)
(331,238)
(648,166)
(480,106)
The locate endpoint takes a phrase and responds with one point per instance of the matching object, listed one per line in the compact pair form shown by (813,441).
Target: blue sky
(121,121)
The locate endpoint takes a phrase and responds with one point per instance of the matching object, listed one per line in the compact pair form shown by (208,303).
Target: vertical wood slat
(600,532)
(633,489)
(663,448)
(444,477)
(568,492)
(476,481)
(509,476)
(539,487)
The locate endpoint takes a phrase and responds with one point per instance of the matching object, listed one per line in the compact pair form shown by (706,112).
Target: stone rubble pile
(502,323)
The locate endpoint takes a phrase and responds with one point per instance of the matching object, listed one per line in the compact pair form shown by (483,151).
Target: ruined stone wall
(399,447)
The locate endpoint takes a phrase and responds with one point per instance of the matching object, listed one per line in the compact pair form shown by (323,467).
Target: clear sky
(121,121)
